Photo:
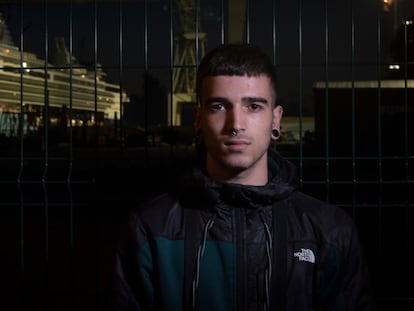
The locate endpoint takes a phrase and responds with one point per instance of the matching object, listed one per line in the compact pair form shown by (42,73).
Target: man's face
(243,104)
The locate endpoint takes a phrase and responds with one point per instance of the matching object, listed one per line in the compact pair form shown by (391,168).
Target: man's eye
(217,106)
(255,107)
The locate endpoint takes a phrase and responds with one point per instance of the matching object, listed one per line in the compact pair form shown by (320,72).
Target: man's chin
(235,167)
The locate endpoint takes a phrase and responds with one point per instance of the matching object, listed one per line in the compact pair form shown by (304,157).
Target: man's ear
(277,117)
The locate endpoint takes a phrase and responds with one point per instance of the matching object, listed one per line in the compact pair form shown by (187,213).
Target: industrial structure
(34,91)
(189,48)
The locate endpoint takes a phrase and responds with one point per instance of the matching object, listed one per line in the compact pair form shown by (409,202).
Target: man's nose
(235,118)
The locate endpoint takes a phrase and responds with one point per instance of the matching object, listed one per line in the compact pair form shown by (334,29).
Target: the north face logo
(305,255)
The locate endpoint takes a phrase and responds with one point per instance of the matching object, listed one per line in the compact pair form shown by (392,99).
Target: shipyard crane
(189,47)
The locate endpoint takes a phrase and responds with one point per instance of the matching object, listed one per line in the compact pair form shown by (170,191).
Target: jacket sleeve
(358,291)
(131,286)
(343,276)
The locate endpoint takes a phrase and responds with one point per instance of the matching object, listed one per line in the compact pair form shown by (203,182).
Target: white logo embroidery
(305,255)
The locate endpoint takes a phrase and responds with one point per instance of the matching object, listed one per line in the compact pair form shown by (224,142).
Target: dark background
(61,208)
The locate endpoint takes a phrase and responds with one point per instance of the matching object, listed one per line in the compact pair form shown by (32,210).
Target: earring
(275,134)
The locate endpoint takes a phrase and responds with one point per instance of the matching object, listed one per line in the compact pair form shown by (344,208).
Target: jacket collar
(282,182)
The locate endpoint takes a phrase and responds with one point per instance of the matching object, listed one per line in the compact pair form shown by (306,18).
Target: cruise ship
(71,94)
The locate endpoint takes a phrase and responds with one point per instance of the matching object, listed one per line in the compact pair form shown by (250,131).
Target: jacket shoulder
(161,215)
(325,222)
(157,204)
(318,208)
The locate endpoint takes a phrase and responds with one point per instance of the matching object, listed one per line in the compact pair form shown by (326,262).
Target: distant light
(387,4)
(394,67)
(409,22)
(24,64)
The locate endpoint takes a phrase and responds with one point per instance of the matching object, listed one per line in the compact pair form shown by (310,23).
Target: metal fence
(95,116)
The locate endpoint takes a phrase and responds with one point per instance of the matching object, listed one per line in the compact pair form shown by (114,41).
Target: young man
(238,235)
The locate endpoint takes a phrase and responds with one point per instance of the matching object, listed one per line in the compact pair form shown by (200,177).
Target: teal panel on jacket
(217,275)
(169,265)
(145,296)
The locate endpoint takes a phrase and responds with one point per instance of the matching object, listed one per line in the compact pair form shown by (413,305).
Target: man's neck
(253,176)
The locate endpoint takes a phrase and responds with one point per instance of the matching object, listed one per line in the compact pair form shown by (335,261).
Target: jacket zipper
(241,294)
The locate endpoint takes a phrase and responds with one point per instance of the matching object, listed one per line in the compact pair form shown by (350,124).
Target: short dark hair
(236,59)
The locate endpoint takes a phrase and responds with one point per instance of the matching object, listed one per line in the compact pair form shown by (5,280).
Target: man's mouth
(236,144)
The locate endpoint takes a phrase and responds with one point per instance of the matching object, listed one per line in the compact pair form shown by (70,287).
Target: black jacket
(220,246)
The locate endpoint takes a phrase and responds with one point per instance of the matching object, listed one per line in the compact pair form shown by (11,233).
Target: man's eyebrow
(253,99)
(247,99)
(221,100)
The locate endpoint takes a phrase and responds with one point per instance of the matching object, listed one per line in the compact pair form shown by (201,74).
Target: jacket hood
(200,187)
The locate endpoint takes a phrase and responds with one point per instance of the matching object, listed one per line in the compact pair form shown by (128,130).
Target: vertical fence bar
(353,112)
(406,214)
(379,137)
(46,154)
(327,153)
(171,60)
(274,45)
(300,89)
(274,33)
(21,155)
(248,21)
(70,151)
(95,66)
(94,129)
(222,32)
(70,155)
(197,35)
(146,82)
(118,128)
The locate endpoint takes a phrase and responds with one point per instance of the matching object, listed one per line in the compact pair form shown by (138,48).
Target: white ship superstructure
(28,83)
